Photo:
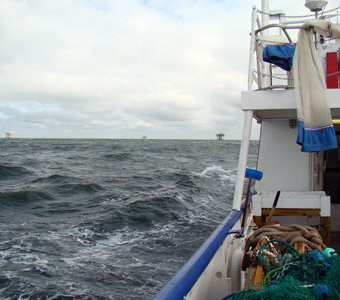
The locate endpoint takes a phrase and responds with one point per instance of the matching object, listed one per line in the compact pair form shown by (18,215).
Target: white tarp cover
(316,130)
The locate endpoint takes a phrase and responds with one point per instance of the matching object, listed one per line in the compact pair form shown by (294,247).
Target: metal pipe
(252,48)
(280,22)
(276,25)
(265,21)
(241,171)
(265,14)
(258,21)
(248,119)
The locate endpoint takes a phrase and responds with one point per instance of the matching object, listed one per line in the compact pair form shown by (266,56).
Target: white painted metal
(237,276)
(242,164)
(265,21)
(283,102)
(265,14)
(216,281)
(258,22)
(315,5)
(299,200)
(252,48)
(248,120)
(325,206)
(283,164)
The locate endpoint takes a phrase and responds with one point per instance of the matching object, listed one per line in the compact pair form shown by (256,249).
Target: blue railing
(183,281)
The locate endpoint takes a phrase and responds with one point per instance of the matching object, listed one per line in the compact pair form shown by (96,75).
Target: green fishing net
(275,254)
(291,275)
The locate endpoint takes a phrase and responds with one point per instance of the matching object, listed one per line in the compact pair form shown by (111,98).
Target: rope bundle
(291,234)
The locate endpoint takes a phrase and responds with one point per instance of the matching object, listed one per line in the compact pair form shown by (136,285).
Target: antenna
(316,6)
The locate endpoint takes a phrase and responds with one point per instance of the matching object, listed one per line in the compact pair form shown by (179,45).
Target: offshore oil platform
(9,135)
(220,136)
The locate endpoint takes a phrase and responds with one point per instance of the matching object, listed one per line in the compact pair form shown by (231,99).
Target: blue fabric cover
(280,55)
(316,139)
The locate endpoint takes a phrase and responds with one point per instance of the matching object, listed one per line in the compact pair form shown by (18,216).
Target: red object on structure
(332,70)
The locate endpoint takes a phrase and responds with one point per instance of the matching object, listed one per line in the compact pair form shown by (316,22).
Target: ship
(293,93)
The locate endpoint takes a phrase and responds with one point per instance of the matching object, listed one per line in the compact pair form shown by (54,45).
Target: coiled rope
(291,234)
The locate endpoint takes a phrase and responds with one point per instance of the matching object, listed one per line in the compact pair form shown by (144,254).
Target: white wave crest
(220,172)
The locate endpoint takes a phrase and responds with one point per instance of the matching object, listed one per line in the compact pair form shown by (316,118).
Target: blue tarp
(279,55)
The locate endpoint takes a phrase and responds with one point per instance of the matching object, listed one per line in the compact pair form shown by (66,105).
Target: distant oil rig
(220,136)
(9,135)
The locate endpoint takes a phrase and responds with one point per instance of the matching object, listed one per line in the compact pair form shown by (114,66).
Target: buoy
(328,252)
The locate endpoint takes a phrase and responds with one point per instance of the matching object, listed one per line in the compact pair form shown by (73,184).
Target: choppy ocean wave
(107,219)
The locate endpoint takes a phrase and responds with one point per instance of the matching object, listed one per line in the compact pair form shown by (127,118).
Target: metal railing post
(252,48)
(248,119)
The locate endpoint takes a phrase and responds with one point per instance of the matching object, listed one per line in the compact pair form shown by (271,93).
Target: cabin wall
(283,164)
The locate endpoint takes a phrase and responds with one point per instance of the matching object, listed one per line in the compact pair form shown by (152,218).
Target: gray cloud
(124,69)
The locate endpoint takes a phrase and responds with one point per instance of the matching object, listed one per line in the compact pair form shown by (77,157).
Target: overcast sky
(126,68)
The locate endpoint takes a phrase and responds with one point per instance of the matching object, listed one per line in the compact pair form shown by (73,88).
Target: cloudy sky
(126,68)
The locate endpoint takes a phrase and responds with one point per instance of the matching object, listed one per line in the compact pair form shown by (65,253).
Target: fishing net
(274,254)
(291,275)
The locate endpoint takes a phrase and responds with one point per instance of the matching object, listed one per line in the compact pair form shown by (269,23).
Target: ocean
(108,219)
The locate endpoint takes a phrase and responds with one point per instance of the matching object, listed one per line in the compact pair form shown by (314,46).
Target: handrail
(277,25)
(283,27)
(258,32)
(183,281)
